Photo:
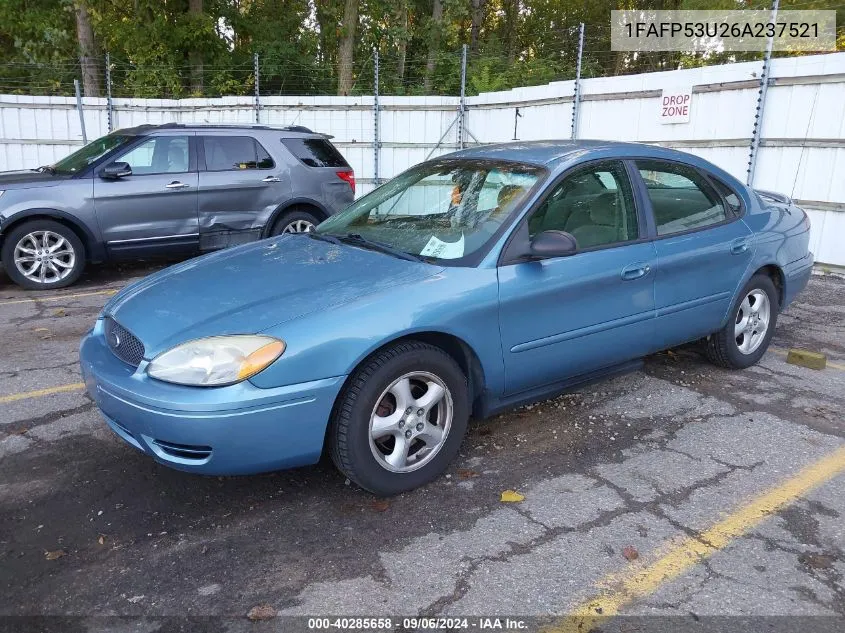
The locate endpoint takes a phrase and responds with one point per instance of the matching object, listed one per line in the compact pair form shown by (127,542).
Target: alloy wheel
(44,257)
(298,226)
(410,422)
(752,321)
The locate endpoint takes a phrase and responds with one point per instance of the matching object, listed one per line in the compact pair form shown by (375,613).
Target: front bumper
(239,429)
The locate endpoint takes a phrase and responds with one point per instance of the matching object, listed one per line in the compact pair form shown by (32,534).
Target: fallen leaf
(56,553)
(60,312)
(379,505)
(630,553)
(43,333)
(101,539)
(512,496)
(136,599)
(466,473)
(261,612)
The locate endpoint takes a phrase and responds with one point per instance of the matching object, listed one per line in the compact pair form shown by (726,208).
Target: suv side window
(681,198)
(315,152)
(159,155)
(227,153)
(594,204)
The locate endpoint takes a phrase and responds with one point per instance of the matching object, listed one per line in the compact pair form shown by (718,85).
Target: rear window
(225,153)
(315,152)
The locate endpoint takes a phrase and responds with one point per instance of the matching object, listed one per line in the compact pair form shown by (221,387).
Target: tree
(195,55)
(87,50)
(434,38)
(347,47)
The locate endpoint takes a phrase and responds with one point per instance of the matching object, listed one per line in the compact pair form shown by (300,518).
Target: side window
(595,205)
(315,152)
(159,155)
(228,153)
(681,198)
(730,196)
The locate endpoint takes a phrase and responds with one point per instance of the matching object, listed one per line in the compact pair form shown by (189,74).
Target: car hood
(248,289)
(25,178)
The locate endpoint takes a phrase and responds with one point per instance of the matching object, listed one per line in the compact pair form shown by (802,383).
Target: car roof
(553,153)
(146,129)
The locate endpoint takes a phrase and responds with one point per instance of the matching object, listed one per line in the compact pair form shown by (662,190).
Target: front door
(154,210)
(703,249)
(568,316)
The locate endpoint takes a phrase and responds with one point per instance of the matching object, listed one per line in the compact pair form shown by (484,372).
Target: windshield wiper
(359,240)
(48,168)
(323,237)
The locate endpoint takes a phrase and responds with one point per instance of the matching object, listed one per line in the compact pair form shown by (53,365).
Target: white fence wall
(802,153)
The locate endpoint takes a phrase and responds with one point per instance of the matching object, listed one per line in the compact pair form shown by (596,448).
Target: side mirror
(553,244)
(116,170)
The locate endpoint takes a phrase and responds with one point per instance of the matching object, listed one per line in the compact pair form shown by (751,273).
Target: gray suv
(166,190)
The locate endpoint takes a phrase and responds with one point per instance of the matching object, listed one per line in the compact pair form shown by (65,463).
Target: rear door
(155,209)
(703,249)
(240,186)
(325,176)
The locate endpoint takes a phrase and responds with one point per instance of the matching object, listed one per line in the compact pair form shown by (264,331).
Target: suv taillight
(349,176)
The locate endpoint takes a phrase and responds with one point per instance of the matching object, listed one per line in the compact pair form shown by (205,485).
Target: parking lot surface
(681,489)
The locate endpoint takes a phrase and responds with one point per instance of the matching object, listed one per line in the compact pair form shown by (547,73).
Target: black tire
(15,235)
(349,432)
(290,217)
(722,349)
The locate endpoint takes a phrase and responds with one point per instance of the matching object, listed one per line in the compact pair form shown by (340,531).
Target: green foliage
(159,48)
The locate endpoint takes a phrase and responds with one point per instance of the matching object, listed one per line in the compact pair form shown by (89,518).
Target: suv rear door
(327,177)
(153,210)
(240,186)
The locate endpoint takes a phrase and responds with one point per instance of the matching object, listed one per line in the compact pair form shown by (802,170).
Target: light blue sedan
(475,282)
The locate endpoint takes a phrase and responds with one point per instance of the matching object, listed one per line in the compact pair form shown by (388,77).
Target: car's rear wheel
(295,221)
(43,254)
(401,418)
(746,336)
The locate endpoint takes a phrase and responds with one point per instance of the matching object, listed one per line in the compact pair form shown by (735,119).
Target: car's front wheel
(401,418)
(43,254)
(745,338)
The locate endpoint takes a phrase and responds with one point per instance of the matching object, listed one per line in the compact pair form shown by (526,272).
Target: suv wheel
(296,221)
(43,254)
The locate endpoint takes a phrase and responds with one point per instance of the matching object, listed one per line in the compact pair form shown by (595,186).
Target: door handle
(176,185)
(635,271)
(271,179)
(739,246)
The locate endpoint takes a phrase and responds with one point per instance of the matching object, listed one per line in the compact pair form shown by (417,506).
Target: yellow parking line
(785,353)
(14,397)
(641,580)
(60,297)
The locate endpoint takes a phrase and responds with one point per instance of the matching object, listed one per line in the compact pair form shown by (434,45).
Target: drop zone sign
(675,105)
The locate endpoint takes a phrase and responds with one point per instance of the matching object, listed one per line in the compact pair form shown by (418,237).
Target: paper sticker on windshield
(443,250)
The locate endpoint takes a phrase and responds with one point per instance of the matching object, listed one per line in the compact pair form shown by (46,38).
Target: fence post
(79,109)
(462,104)
(376,129)
(761,102)
(257,88)
(109,104)
(576,99)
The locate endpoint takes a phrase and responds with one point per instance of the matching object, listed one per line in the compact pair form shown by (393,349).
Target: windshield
(445,210)
(81,158)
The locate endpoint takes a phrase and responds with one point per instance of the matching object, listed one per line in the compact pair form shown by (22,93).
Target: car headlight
(216,360)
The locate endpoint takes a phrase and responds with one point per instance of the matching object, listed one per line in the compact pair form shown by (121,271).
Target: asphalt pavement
(678,490)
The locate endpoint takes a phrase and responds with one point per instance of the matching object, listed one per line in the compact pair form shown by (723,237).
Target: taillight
(348,176)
